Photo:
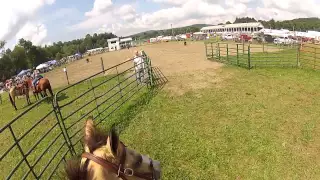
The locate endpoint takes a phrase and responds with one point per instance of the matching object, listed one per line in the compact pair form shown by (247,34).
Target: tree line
(168,32)
(26,55)
(300,24)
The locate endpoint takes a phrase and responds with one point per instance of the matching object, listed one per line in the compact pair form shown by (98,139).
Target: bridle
(120,170)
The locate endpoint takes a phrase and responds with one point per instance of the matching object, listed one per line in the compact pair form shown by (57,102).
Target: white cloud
(125,20)
(36,33)
(197,11)
(125,9)
(126,12)
(308,7)
(99,7)
(16,14)
(94,22)
(245,1)
(192,11)
(170,2)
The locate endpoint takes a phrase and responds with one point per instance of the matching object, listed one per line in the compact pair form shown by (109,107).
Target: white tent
(41,66)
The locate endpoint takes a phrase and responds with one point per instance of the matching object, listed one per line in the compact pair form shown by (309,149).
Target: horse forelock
(96,145)
(92,170)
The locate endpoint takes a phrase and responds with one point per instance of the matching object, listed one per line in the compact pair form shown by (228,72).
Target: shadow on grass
(62,96)
(129,112)
(135,108)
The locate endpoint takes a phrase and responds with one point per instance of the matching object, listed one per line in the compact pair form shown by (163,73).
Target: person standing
(139,67)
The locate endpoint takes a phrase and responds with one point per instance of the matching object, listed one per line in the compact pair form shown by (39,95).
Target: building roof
(113,39)
(238,25)
(199,33)
(126,39)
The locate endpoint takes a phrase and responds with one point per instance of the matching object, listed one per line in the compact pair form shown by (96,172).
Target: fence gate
(236,54)
(33,144)
(255,55)
(273,55)
(38,141)
(310,56)
(99,95)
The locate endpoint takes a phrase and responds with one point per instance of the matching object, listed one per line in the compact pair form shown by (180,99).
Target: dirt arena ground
(173,58)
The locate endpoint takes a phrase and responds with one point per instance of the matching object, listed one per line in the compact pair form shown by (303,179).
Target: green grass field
(257,124)
(262,124)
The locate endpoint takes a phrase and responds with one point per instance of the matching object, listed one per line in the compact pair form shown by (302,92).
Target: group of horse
(25,86)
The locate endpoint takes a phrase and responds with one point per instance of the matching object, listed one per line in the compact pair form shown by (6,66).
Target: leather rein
(120,170)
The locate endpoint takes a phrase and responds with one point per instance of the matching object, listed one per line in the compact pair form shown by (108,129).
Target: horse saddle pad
(37,82)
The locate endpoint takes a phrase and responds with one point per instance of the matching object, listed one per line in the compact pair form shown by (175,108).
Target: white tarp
(41,66)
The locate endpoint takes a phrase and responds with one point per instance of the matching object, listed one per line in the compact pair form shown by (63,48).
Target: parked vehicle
(227,37)
(245,38)
(283,40)
(268,38)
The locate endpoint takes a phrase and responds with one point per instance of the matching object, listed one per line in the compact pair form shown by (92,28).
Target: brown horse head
(26,84)
(106,157)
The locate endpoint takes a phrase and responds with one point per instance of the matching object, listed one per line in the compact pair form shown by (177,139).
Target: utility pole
(171,30)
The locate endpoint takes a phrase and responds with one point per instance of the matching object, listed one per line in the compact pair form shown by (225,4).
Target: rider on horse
(36,77)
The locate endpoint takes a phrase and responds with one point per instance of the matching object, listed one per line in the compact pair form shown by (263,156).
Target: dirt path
(174,59)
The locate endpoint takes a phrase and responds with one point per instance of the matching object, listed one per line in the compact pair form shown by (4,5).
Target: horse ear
(89,140)
(113,141)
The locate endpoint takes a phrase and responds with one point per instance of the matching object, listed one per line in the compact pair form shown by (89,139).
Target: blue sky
(47,21)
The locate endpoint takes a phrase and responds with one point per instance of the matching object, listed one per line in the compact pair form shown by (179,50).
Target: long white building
(233,28)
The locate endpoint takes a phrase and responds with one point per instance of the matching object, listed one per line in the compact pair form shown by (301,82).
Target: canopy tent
(41,66)
(23,72)
(52,62)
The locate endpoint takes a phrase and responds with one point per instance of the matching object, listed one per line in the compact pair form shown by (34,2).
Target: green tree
(2,44)
(6,67)
(58,56)
(18,58)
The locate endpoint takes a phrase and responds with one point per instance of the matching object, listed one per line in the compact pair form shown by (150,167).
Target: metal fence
(255,55)
(309,56)
(33,144)
(236,54)
(99,95)
(38,141)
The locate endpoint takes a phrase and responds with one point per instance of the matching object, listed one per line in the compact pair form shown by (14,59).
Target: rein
(118,169)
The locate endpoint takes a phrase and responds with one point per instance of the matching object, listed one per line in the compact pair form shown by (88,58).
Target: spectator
(139,67)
